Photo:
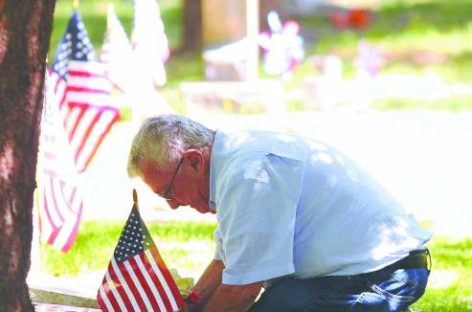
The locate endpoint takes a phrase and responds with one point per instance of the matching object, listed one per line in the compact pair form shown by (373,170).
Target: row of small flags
(78,114)
(137,64)
(79,111)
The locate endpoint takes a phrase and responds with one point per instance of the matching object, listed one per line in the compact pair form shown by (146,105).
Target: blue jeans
(383,290)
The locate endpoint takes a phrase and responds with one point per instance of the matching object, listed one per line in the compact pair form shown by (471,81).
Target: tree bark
(25,28)
(192,26)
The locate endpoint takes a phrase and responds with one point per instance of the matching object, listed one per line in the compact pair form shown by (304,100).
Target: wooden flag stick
(135,197)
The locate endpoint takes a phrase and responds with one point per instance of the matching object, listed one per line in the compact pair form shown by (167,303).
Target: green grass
(450,258)
(188,246)
(177,242)
(417,36)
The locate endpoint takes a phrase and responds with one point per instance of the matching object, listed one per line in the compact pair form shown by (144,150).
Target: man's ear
(195,156)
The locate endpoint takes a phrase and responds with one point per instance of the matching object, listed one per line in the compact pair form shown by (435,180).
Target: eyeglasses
(167,195)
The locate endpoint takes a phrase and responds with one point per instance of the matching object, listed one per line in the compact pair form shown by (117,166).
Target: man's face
(181,185)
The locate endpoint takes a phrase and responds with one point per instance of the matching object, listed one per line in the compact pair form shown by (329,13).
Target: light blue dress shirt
(291,206)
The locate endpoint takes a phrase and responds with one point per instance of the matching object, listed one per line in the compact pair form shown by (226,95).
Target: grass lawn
(184,246)
(416,36)
(188,246)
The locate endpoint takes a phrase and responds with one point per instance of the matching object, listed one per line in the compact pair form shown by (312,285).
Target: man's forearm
(233,298)
(207,284)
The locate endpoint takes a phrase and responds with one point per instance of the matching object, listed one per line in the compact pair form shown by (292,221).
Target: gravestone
(225,21)
(50,293)
(259,96)
(230,30)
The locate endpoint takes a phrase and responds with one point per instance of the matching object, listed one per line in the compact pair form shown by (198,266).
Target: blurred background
(387,82)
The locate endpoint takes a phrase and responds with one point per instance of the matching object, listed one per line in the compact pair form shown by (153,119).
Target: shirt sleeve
(257,220)
(219,246)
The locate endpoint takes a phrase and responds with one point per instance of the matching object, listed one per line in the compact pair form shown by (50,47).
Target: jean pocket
(414,279)
(380,299)
(400,290)
(395,298)
(370,302)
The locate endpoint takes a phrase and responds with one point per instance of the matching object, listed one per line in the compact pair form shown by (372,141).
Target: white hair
(163,139)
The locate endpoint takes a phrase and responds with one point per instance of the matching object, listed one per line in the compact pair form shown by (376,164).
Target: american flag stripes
(60,200)
(137,278)
(83,93)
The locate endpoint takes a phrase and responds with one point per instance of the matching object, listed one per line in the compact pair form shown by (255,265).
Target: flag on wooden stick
(149,40)
(129,72)
(118,57)
(83,93)
(137,278)
(60,201)
(282,45)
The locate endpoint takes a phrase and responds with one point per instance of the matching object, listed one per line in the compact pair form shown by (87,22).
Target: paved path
(424,158)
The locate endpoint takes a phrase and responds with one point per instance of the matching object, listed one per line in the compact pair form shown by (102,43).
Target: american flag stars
(74,46)
(132,241)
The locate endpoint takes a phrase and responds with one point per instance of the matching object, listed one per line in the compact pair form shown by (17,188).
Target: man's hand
(206,285)
(209,294)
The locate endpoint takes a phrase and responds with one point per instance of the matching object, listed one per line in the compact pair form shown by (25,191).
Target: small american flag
(282,45)
(137,278)
(370,59)
(149,40)
(121,65)
(83,93)
(117,56)
(60,202)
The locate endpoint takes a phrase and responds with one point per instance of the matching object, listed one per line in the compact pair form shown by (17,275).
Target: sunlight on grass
(463,103)
(418,36)
(450,287)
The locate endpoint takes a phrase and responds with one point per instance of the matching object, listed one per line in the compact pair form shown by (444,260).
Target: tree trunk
(25,28)
(192,26)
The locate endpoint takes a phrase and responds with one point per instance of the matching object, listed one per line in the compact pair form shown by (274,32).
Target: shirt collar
(215,166)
